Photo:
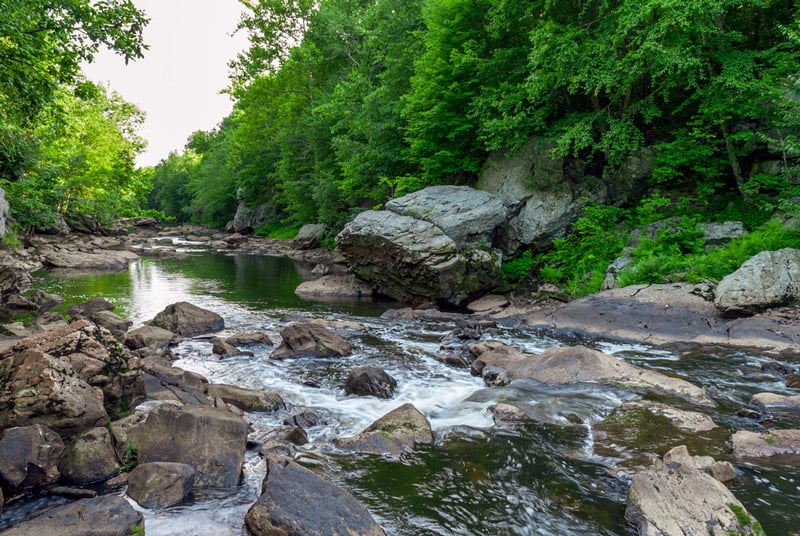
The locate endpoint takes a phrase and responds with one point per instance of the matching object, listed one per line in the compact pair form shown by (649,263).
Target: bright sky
(178,82)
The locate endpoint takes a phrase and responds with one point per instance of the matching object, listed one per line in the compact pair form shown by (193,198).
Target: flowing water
(478,478)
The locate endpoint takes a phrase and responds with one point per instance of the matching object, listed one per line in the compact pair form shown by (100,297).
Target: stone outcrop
(210,440)
(38,388)
(107,515)
(160,484)
(294,500)
(544,193)
(188,320)
(748,444)
(370,381)
(29,456)
(247,218)
(500,365)
(468,217)
(306,339)
(395,433)
(771,400)
(676,498)
(413,260)
(667,314)
(89,457)
(769,279)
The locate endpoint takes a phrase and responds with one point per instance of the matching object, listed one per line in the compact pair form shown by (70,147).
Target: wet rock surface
(294,500)
(160,484)
(399,431)
(307,339)
(370,381)
(188,320)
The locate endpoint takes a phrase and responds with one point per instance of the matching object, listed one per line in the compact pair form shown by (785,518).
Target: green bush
(278,230)
(514,271)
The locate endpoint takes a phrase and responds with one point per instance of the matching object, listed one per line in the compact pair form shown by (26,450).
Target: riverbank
(552,417)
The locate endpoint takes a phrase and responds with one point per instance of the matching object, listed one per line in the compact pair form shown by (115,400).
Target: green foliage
(579,260)
(136,530)
(130,458)
(278,230)
(515,270)
(747,521)
(655,263)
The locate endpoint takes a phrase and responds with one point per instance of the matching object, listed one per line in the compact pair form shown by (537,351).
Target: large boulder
(160,484)
(37,388)
(210,440)
(500,365)
(29,456)
(15,277)
(469,217)
(295,500)
(89,457)
(96,357)
(545,193)
(413,260)
(107,515)
(676,498)
(88,259)
(149,337)
(306,339)
(769,279)
(188,320)
(247,218)
(334,286)
(395,433)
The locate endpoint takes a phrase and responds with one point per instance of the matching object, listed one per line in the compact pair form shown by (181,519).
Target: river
(478,478)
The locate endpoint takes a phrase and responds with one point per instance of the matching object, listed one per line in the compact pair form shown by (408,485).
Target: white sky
(177,84)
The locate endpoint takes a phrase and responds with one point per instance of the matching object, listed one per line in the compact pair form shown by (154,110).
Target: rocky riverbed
(63,382)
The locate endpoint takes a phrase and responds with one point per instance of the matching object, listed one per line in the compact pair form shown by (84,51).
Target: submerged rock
(335,286)
(499,365)
(400,430)
(307,339)
(295,500)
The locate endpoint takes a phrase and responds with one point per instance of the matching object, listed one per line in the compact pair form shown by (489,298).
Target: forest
(341,105)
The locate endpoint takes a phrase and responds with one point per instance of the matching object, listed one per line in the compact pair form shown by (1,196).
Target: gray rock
(160,484)
(719,234)
(117,325)
(306,339)
(249,338)
(295,500)
(335,286)
(38,388)
(150,337)
(89,457)
(96,259)
(677,498)
(210,440)
(469,217)
(188,320)
(412,260)
(395,433)
(246,399)
(107,515)
(309,235)
(546,196)
(247,219)
(562,365)
(768,279)
(95,305)
(748,444)
(222,347)
(4,206)
(15,277)
(29,456)
(370,381)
